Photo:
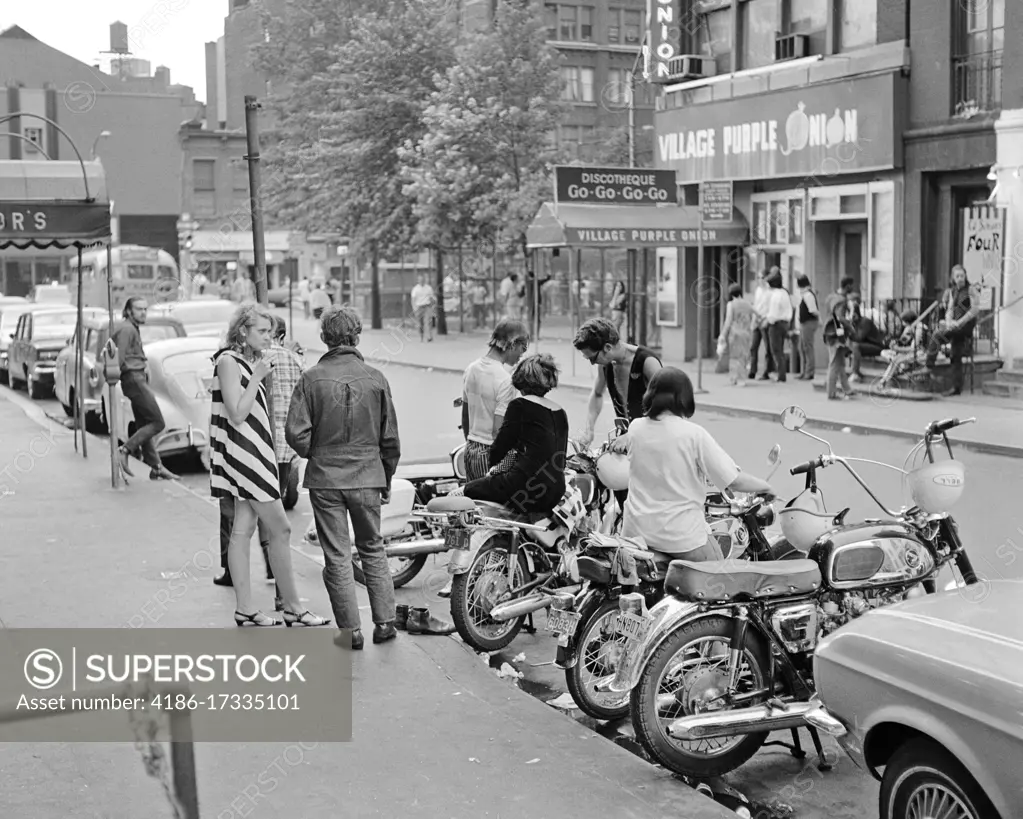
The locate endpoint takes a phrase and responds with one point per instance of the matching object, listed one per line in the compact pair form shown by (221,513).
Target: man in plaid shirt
(288,367)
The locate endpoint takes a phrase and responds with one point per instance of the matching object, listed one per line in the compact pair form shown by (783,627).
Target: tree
(346,110)
(483,167)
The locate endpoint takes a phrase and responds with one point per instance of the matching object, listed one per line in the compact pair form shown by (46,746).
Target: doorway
(852,247)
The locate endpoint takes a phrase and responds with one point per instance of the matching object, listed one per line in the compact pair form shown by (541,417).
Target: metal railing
(977,83)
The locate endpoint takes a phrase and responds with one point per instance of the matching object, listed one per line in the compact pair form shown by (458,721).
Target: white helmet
(803,520)
(937,487)
(613,470)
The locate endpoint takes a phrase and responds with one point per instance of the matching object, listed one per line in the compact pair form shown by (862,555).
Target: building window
(714,35)
(759,19)
(810,17)
(632,23)
(618,89)
(550,18)
(204,187)
(858,25)
(567,22)
(586,23)
(574,23)
(977,65)
(577,84)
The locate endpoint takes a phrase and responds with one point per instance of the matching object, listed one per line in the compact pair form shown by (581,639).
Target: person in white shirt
(760,297)
(319,300)
(423,300)
(486,392)
(671,460)
(778,321)
(304,295)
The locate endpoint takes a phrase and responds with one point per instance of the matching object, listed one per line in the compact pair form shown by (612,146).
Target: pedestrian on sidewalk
(424,301)
(304,295)
(761,297)
(516,292)
(958,318)
(342,419)
(809,317)
(243,465)
(242,288)
(479,303)
(617,303)
(736,335)
(319,300)
(135,386)
(778,322)
(288,368)
(837,335)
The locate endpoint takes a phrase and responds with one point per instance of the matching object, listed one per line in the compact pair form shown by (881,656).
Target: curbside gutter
(980,447)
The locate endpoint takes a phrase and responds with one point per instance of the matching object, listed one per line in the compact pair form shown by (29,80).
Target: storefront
(650,238)
(816,171)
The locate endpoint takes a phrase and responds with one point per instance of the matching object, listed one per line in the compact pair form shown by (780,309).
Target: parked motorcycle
(728,653)
(507,566)
(589,646)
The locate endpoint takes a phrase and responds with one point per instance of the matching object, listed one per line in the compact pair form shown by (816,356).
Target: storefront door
(851,252)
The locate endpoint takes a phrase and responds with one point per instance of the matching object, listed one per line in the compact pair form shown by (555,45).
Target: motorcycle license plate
(457,538)
(632,627)
(562,622)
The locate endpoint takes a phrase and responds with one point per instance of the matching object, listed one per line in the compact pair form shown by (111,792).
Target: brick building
(140,156)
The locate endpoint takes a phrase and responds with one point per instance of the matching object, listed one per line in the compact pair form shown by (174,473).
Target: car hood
(58,342)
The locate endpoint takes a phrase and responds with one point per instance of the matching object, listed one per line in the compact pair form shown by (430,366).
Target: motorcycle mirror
(621,424)
(457,402)
(774,456)
(793,418)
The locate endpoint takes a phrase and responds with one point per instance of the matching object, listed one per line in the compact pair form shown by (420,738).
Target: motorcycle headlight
(766,515)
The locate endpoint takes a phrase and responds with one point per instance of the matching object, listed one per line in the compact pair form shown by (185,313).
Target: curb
(980,447)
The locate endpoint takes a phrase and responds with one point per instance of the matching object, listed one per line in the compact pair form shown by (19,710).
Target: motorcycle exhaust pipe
(755,720)
(427,546)
(525,605)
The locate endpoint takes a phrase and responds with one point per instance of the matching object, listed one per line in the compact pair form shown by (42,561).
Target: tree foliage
(483,166)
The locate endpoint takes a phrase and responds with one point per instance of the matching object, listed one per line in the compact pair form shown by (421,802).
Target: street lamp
(102,135)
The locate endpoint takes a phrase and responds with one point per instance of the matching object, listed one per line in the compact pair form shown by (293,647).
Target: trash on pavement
(507,671)
(533,761)
(520,658)
(565,702)
(473,759)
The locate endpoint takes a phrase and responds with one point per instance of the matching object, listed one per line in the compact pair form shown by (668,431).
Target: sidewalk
(998,431)
(436,733)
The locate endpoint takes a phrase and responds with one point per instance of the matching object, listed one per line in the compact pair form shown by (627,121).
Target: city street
(988,515)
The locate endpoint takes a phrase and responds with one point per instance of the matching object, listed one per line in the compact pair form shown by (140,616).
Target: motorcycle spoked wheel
(403,569)
(599,651)
(475,592)
(681,679)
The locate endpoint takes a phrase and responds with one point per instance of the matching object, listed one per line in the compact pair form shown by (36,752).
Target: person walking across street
(809,318)
(761,296)
(342,419)
(958,318)
(242,288)
(424,300)
(837,335)
(243,465)
(319,300)
(736,335)
(135,386)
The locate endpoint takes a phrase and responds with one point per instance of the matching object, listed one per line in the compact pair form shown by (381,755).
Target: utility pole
(258,245)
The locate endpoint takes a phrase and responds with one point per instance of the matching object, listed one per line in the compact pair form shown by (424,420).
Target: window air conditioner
(791,46)
(689,67)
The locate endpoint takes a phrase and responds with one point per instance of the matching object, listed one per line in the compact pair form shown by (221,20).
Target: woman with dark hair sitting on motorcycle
(670,462)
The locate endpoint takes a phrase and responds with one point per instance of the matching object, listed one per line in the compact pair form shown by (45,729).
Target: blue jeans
(148,419)
(331,508)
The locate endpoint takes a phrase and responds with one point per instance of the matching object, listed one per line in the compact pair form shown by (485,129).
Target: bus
(137,271)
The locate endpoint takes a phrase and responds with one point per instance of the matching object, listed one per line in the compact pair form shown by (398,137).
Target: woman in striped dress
(243,464)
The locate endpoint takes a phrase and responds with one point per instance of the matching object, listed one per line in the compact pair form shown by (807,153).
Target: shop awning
(52,204)
(629,226)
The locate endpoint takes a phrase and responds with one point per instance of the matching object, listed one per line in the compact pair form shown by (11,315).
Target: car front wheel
(922,779)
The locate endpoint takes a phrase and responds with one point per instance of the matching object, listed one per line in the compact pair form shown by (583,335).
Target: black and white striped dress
(243,463)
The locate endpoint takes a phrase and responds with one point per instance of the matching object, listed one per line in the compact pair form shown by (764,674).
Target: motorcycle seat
(726,580)
(449,504)
(425,470)
(460,503)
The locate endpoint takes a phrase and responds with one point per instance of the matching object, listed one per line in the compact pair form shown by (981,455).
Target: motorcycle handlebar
(938,427)
(802,469)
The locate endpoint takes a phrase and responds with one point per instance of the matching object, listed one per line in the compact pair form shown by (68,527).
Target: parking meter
(111,363)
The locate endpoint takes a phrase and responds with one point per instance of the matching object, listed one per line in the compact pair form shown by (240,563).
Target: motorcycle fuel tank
(872,555)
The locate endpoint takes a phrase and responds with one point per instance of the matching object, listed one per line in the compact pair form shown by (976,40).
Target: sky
(165,32)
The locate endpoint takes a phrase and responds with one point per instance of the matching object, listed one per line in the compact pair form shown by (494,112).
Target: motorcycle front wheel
(475,593)
(688,675)
(600,649)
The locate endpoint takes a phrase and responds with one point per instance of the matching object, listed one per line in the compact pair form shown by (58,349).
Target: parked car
(96,332)
(929,690)
(201,317)
(57,295)
(280,296)
(180,375)
(10,307)
(35,344)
